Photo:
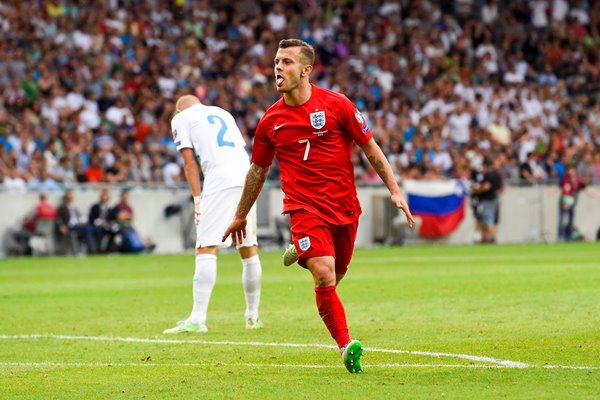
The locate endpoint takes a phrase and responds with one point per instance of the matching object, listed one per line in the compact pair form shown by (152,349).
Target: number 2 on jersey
(220,141)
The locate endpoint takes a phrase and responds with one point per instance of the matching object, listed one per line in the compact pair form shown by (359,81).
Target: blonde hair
(185,101)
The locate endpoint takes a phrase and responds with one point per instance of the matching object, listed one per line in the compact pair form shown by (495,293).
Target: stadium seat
(42,241)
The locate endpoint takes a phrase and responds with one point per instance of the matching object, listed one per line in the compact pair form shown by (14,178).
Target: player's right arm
(356,126)
(181,137)
(255,179)
(262,156)
(384,170)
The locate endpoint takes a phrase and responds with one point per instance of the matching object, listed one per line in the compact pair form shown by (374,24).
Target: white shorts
(216,213)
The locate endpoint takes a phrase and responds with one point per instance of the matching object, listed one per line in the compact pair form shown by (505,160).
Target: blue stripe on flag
(441,205)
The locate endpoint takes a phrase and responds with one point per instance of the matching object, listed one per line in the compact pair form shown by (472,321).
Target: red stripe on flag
(435,225)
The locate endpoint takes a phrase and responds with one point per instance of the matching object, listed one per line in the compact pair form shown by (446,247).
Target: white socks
(251,281)
(204,281)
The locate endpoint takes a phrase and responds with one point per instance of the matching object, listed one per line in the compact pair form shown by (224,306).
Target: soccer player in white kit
(211,134)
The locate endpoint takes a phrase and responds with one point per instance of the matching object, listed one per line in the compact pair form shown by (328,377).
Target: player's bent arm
(191,170)
(381,165)
(384,170)
(255,179)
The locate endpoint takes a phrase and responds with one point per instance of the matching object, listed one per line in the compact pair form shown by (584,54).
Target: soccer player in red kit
(312,131)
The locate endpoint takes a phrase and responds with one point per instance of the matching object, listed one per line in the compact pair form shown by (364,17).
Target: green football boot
(352,354)
(290,256)
(254,323)
(187,326)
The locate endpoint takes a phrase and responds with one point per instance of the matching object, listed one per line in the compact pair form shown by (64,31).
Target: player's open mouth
(279,80)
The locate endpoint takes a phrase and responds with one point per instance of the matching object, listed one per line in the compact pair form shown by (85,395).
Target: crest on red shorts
(304,243)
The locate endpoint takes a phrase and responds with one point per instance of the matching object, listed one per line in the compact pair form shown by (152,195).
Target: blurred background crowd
(87,87)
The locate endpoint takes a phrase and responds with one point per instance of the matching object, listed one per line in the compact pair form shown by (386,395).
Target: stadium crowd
(88,87)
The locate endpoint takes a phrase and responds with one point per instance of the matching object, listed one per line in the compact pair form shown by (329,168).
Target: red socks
(332,313)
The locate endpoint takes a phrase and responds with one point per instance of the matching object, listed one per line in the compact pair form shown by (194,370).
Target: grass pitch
(486,322)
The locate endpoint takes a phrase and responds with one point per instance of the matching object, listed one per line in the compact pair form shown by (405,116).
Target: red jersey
(45,211)
(569,190)
(94,174)
(313,143)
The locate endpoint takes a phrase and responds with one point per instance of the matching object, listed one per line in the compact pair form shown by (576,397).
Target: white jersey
(218,143)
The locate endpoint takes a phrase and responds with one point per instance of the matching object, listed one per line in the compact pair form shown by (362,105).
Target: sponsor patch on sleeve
(362,121)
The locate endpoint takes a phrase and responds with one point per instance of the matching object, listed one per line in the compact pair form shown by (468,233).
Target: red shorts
(314,237)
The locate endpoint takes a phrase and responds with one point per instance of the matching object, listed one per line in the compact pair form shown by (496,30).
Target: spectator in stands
(119,114)
(102,229)
(71,226)
(13,182)
(95,173)
(570,187)
(122,215)
(476,182)
(112,75)
(80,170)
(44,213)
(531,172)
(43,181)
(171,171)
(64,172)
(141,164)
(488,192)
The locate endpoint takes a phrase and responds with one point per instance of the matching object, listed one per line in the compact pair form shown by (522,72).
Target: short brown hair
(306,50)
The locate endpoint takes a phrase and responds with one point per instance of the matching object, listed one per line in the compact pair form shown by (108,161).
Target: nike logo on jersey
(280,125)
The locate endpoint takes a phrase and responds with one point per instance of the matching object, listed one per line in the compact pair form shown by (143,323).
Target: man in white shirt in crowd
(457,128)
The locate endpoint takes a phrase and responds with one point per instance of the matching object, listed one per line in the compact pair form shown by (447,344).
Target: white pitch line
(496,363)
(584,367)
(423,259)
(44,364)
(50,364)
(507,363)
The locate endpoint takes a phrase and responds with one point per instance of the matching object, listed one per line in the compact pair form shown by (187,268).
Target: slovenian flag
(439,204)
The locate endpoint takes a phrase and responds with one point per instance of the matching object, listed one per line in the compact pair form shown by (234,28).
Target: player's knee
(247,252)
(323,276)
(323,270)
(207,250)
(325,281)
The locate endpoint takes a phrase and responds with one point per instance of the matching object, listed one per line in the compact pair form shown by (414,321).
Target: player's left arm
(384,170)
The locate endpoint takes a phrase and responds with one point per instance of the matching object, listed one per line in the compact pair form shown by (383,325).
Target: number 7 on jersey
(307,148)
